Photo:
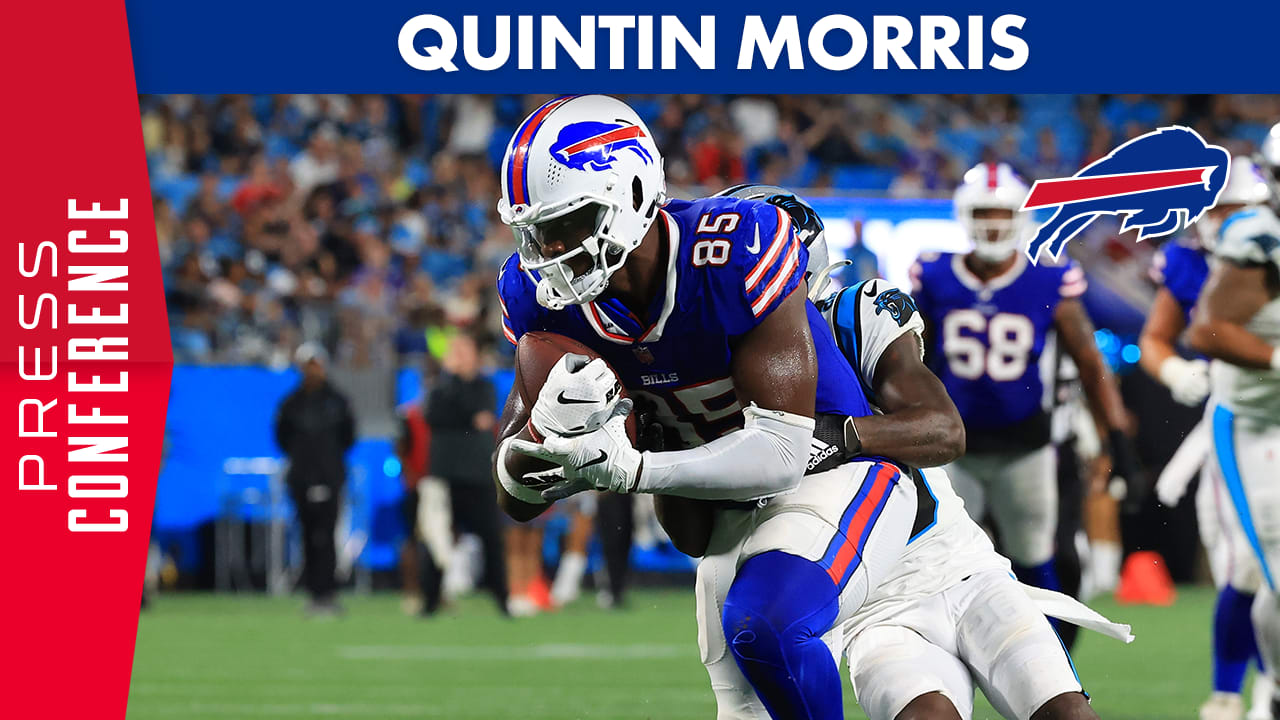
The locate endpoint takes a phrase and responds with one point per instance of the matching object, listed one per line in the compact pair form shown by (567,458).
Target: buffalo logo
(898,304)
(595,145)
(1160,182)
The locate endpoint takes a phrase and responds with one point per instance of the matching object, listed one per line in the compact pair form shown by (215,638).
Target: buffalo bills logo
(595,145)
(898,304)
(1160,182)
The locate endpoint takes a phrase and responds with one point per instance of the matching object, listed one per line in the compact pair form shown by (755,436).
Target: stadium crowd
(368,224)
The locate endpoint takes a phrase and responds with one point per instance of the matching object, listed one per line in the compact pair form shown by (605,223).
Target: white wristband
(1275,359)
(514,488)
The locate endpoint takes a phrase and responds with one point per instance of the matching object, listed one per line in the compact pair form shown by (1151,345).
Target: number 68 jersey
(992,343)
(730,263)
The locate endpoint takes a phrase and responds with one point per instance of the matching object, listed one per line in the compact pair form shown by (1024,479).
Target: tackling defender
(1237,321)
(694,304)
(949,617)
(1181,267)
(993,320)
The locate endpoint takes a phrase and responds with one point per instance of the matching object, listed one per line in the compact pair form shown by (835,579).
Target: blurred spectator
(461,415)
(315,429)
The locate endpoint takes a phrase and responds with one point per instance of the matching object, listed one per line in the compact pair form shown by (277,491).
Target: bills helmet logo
(1160,182)
(595,145)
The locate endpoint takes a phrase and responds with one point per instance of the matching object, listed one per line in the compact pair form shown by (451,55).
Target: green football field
(219,657)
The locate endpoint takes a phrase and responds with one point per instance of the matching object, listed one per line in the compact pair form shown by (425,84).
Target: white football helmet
(1269,161)
(1245,186)
(993,186)
(582,176)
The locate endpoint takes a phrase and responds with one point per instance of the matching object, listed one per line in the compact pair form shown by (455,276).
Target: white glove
(577,398)
(602,459)
(1187,380)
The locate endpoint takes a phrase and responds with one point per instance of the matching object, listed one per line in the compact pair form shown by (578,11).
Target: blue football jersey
(730,263)
(1182,266)
(992,343)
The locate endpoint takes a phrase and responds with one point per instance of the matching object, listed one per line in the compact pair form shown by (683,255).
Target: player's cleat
(1222,706)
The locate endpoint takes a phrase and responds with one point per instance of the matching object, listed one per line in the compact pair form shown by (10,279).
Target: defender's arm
(1231,297)
(920,425)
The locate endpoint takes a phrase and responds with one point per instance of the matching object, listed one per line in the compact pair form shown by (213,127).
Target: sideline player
(1181,267)
(993,320)
(950,617)
(694,304)
(1237,321)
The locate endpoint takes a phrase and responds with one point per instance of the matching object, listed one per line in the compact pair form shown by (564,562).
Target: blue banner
(905,46)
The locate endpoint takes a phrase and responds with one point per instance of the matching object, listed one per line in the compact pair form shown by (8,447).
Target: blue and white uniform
(993,345)
(731,263)
(1244,407)
(950,617)
(1181,267)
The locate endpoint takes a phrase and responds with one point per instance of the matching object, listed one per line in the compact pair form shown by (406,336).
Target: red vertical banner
(86,379)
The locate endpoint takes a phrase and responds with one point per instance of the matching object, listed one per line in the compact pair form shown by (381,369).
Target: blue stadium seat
(278,146)
(498,144)
(227,185)
(178,190)
(417,172)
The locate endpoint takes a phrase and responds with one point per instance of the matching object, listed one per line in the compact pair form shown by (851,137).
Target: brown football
(536,354)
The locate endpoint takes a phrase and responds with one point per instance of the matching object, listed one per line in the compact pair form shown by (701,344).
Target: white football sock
(568,582)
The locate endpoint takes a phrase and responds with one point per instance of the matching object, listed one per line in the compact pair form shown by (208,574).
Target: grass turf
(223,656)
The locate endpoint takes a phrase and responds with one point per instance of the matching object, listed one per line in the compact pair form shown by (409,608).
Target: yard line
(549,651)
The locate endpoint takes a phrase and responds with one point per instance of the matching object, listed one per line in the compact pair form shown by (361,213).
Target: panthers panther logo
(898,304)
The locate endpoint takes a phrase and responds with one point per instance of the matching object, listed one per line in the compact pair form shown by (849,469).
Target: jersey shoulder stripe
(776,244)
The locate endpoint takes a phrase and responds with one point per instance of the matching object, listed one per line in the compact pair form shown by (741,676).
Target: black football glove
(650,436)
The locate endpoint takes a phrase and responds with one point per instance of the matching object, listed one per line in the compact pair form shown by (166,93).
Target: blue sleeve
(517,296)
(766,264)
(1181,270)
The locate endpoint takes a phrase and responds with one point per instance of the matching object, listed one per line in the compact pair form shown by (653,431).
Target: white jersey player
(949,615)
(1237,322)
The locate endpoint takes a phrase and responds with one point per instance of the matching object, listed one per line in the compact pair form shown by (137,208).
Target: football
(536,354)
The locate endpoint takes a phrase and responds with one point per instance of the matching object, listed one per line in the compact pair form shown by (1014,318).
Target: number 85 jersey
(730,263)
(992,343)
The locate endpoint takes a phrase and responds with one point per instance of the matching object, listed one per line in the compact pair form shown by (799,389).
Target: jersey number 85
(1002,355)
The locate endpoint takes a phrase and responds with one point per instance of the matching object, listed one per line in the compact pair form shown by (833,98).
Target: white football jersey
(1251,237)
(866,318)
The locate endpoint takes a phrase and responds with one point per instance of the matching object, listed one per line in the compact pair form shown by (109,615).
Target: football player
(993,320)
(950,616)
(700,308)
(1181,267)
(1237,321)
